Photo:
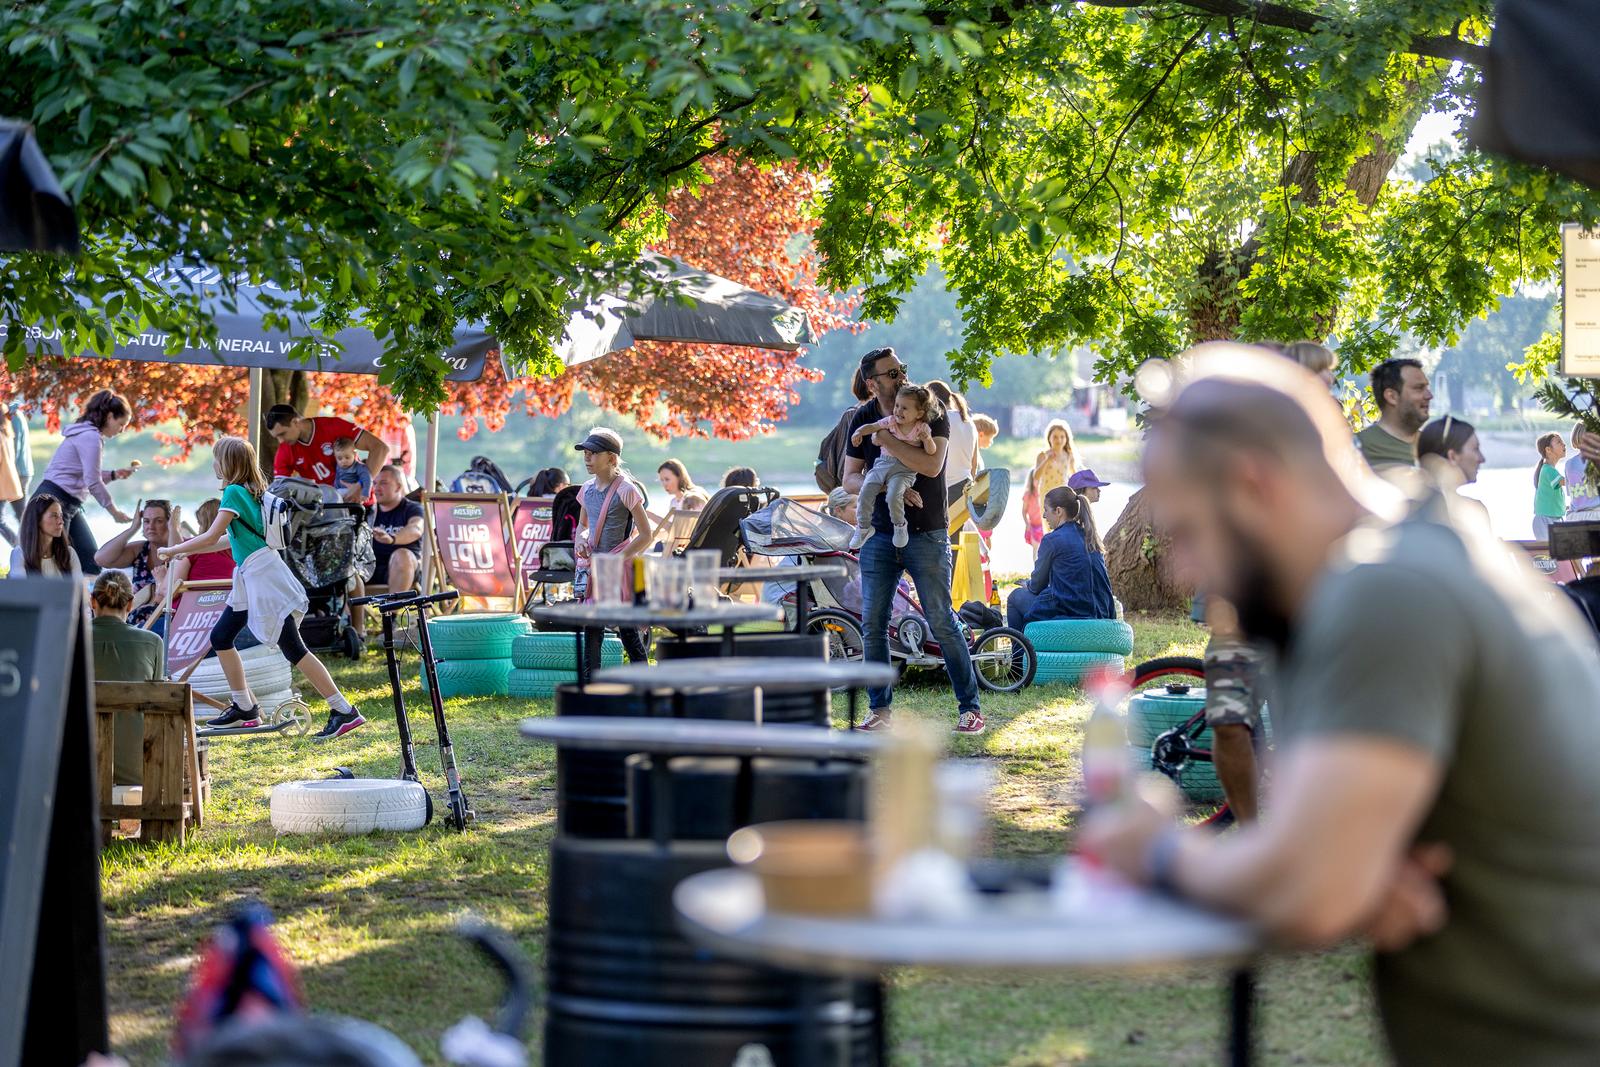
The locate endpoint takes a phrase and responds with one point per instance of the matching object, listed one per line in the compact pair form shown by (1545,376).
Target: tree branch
(1267,14)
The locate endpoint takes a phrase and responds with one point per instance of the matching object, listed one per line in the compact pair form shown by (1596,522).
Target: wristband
(1160,862)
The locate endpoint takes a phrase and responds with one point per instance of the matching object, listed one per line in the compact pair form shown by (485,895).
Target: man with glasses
(926,557)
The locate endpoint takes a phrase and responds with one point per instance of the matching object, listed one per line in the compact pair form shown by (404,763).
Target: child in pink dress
(909,423)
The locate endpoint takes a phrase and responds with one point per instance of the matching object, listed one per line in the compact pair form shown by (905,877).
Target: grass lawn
(369,919)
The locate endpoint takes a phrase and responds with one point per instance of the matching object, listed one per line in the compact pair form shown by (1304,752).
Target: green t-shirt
(1383,449)
(244,532)
(1550,498)
(1441,640)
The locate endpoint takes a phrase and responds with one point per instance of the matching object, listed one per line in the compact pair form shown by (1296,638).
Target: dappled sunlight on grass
(370,920)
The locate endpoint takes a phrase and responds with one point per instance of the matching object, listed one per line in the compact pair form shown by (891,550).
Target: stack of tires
(474,653)
(265,669)
(1070,648)
(542,661)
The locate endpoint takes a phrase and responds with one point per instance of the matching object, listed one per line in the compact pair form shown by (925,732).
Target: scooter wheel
(459,812)
(296,712)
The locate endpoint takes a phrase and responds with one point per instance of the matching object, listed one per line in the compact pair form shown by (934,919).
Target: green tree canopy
(1135,176)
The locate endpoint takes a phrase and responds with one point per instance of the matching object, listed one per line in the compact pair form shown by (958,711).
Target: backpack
(829,471)
(285,496)
(483,475)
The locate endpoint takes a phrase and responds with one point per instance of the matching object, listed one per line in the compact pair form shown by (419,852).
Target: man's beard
(1413,419)
(1255,591)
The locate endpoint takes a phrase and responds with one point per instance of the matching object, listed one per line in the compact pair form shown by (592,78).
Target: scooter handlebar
(407,599)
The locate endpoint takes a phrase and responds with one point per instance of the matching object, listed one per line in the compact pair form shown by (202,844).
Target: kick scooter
(389,606)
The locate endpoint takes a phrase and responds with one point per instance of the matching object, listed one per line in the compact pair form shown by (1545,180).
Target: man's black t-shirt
(392,522)
(932,514)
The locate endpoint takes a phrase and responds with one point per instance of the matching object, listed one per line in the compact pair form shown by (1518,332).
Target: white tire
(264,668)
(348,806)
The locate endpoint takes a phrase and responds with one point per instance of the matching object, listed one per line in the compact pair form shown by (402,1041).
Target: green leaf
(239,141)
(408,73)
(508,301)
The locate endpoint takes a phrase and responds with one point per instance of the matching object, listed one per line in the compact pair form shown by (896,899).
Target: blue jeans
(1018,604)
(927,559)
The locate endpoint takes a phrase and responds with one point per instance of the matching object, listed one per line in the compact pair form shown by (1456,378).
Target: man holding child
(925,555)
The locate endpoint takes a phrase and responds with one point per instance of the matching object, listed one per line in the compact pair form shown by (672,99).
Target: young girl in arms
(914,408)
(266,597)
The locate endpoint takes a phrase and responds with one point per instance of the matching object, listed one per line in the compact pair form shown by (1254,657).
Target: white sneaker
(902,536)
(859,538)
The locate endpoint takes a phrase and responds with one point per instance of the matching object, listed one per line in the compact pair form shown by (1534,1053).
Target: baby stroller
(326,543)
(1003,658)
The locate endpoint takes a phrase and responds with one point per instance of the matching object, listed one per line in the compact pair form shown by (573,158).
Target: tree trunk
(279,387)
(1136,555)
(1142,574)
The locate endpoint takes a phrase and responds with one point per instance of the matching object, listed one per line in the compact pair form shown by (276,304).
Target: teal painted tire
(1152,713)
(471,677)
(555,651)
(1066,668)
(536,684)
(464,637)
(1081,635)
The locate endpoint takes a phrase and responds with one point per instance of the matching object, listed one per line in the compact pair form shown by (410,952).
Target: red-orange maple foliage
(742,224)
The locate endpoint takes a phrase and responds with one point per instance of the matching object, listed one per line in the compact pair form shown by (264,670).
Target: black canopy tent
(35,214)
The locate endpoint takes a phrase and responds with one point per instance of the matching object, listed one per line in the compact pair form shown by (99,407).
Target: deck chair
(170,798)
(674,531)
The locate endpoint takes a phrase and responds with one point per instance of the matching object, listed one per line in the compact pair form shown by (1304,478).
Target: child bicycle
(1175,749)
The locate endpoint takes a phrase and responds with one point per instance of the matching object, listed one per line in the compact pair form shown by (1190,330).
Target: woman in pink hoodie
(74,473)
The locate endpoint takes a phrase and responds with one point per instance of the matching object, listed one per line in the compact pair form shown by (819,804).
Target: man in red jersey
(305,446)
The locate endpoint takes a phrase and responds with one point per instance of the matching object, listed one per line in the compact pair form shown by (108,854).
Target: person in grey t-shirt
(1434,787)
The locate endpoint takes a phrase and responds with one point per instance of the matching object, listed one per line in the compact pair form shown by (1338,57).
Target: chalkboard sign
(52,1002)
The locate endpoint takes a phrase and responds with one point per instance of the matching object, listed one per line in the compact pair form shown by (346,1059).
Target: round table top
(700,737)
(720,614)
(771,673)
(804,572)
(724,911)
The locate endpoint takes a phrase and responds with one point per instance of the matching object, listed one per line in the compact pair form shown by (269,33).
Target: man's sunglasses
(893,373)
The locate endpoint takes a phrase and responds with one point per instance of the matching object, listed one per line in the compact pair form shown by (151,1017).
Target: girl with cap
(609,502)
(1087,484)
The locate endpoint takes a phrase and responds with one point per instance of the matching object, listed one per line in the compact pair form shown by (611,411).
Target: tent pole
(252,414)
(430,469)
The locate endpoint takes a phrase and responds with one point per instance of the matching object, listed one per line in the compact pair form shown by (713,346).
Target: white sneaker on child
(902,535)
(859,538)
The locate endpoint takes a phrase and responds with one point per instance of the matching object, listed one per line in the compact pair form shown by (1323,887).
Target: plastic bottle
(1107,771)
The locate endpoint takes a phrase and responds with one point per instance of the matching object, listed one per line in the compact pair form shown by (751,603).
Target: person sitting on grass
(123,653)
(266,596)
(1069,578)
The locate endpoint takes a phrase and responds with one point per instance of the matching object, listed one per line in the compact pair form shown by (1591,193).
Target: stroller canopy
(788,528)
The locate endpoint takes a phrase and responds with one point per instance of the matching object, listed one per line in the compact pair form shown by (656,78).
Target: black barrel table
(583,617)
(625,989)
(802,575)
(775,674)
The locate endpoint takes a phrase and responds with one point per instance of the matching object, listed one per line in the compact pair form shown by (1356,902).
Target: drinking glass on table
(667,581)
(609,568)
(703,566)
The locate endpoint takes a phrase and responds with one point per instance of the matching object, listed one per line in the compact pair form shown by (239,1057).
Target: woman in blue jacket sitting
(1069,577)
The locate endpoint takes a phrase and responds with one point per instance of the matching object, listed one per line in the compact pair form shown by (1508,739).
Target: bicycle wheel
(1178,675)
(1187,672)
(843,633)
(1004,660)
